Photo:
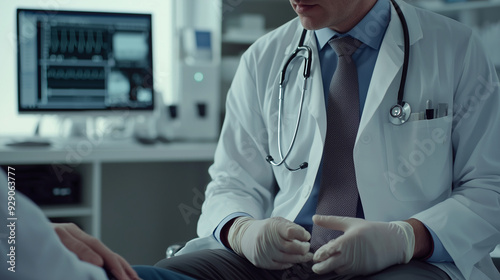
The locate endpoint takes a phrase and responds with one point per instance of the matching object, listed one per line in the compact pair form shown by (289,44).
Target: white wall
(13,124)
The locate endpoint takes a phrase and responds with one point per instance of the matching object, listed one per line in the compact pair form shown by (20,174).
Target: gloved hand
(273,243)
(365,247)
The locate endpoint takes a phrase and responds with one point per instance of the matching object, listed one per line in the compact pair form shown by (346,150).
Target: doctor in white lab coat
(444,172)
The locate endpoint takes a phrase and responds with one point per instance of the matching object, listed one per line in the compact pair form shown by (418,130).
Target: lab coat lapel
(316,106)
(316,110)
(389,62)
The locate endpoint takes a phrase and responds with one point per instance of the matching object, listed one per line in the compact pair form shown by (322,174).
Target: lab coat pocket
(419,159)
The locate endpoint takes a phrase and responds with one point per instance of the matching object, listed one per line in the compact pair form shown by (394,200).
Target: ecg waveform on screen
(78,42)
(75,77)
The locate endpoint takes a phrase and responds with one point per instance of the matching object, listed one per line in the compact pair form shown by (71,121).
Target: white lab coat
(444,172)
(30,248)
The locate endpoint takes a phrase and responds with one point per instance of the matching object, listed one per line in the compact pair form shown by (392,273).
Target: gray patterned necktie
(338,193)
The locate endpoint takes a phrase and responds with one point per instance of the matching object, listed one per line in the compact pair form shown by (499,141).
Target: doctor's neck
(338,15)
(356,15)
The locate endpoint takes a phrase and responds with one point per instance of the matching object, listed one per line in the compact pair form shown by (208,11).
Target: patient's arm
(91,250)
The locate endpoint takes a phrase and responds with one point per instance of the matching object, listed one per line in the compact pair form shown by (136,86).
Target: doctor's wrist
(236,233)
(424,245)
(225,232)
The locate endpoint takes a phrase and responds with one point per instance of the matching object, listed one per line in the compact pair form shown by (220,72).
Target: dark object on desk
(151,141)
(48,184)
(29,143)
(145,140)
(172,110)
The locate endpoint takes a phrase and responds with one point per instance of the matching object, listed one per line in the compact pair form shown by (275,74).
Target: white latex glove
(273,243)
(365,247)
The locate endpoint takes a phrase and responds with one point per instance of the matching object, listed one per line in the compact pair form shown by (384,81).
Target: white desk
(86,157)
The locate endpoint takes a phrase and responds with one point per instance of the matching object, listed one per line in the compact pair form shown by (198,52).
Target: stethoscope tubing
(406,37)
(297,124)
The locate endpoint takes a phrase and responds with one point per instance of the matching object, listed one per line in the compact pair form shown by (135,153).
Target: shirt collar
(370,30)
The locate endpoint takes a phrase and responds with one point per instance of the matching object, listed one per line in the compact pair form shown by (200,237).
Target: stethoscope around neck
(398,114)
(306,74)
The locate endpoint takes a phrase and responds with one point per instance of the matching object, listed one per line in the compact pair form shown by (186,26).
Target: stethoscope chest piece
(400,114)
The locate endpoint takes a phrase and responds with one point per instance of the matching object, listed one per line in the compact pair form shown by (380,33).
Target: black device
(44,185)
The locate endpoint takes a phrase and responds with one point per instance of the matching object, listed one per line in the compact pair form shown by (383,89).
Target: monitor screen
(78,61)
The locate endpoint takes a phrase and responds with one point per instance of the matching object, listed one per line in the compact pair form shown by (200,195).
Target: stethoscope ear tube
(301,47)
(307,66)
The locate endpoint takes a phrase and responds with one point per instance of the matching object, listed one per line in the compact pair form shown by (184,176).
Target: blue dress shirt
(370,31)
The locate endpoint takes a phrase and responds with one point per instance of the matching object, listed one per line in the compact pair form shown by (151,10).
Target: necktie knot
(345,45)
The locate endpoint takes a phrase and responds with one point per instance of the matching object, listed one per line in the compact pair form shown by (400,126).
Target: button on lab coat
(443,171)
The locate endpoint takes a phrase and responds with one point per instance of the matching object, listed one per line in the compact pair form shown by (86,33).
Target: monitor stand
(76,127)
(96,127)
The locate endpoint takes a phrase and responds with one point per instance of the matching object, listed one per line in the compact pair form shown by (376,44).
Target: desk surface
(86,150)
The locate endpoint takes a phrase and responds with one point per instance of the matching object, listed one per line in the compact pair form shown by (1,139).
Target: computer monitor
(75,61)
